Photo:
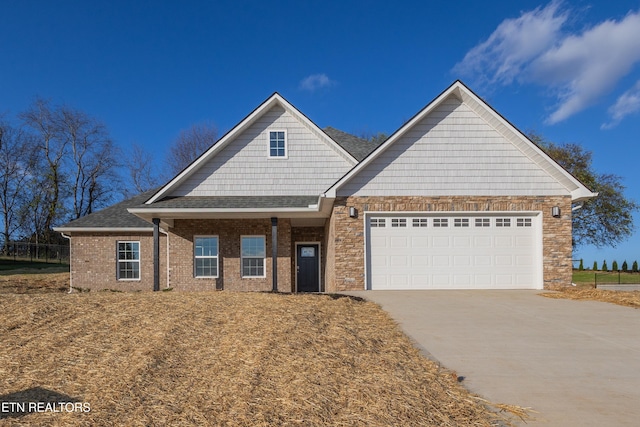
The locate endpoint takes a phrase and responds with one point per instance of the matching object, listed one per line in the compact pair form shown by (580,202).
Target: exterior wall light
(555,212)
(353,212)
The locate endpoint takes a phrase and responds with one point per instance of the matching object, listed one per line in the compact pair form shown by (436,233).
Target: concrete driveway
(577,363)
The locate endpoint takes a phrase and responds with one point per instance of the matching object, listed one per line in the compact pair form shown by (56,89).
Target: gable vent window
(278,144)
(523,222)
(377,222)
(503,222)
(461,222)
(420,222)
(440,222)
(483,222)
(398,222)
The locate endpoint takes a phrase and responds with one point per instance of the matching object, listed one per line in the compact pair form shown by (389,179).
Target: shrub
(581,266)
(604,266)
(625,266)
(634,267)
(614,265)
(595,266)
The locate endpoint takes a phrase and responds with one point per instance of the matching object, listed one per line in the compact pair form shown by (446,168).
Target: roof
(113,217)
(232,202)
(357,147)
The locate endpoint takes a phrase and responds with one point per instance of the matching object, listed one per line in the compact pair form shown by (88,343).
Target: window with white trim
(420,222)
(503,222)
(440,222)
(398,222)
(278,144)
(205,254)
(128,260)
(483,222)
(377,222)
(461,222)
(523,222)
(253,250)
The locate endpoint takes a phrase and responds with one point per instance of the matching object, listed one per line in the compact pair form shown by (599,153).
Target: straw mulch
(222,358)
(625,298)
(34,283)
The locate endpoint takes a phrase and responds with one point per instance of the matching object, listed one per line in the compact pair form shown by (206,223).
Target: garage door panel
(450,252)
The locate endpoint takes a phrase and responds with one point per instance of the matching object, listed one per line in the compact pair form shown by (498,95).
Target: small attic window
(278,144)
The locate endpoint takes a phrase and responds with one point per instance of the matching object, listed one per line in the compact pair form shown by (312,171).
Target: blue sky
(569,70)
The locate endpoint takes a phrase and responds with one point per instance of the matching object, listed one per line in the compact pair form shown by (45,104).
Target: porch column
(156,254)
(274,254)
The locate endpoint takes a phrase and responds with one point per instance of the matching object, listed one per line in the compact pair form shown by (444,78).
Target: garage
(454,251)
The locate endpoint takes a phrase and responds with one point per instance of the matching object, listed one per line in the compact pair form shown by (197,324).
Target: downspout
(166,233)
(274,254)
(156,254)
(70,258)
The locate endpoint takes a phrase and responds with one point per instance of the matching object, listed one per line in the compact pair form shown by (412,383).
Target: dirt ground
(216,358)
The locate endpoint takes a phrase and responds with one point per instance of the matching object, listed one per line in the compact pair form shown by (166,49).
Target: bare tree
(140,166)
(93,160)
(17,159)
(190,144)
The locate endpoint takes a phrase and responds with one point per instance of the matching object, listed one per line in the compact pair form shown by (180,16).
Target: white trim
(103,229)
(275,99)
(286,145)
(118,261)
(537,217)
(264,260)
(319,263)
(217,257)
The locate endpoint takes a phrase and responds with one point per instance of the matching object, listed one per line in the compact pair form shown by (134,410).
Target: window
(278,144)
(205,256)
(503,222)
(420,222)
(398,222)
(253,253)
(128,260)
(523,222)
(377,222)
(440,222)
(483,222)
(461,222)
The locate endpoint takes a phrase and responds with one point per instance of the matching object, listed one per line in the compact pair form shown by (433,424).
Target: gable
(451,152)
(457,146)
(239,164)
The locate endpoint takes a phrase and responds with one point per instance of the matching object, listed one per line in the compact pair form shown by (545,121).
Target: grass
(11,266)
(221,358)
(588,277)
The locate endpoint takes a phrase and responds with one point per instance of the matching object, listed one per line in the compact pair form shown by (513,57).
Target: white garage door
(453,251)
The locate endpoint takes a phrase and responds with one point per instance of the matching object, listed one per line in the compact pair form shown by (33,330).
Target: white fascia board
(103,229)
(331,192)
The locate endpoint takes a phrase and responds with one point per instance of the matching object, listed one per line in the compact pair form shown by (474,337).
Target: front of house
(457,198)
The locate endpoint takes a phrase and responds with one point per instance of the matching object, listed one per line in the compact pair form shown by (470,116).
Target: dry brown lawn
(219,358)
(625,298)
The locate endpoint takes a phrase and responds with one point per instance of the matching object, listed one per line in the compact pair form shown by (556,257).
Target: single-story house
(456,198)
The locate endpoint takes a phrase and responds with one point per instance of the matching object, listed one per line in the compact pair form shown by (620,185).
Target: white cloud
(315,82)
(628,103)
(579,68)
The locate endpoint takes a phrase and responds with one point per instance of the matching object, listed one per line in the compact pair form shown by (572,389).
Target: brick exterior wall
(229,232)
(345,264)
(94,262)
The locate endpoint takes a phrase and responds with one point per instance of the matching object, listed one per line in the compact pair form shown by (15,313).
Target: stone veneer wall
(94,262)
(229,232)
(345,264)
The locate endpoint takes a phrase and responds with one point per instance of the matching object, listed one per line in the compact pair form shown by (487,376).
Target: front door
(308,268)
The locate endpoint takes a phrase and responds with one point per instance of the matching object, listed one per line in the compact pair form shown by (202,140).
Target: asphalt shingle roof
(357,147)
(115,216)
(234,202)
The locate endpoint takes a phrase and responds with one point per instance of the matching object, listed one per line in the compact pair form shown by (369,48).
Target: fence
(617,278)
(36,252)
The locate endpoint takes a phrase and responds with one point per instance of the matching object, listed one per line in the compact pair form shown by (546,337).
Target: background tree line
(58,163)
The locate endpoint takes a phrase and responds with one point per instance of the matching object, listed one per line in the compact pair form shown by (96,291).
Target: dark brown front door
(308,268)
